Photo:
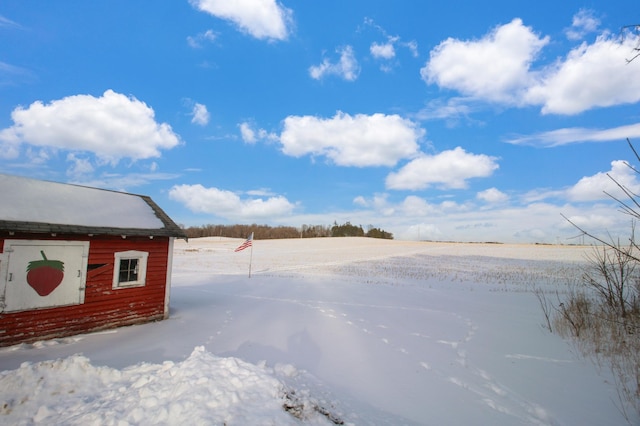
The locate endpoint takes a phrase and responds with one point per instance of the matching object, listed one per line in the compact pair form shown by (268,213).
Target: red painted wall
(103,307)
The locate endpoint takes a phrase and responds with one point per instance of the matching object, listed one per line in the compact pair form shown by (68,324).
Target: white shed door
(43,274)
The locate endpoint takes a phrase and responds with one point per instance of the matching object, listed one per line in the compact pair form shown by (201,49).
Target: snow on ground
(327,331)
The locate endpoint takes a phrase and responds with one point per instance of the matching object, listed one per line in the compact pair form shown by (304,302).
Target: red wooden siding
(104,307)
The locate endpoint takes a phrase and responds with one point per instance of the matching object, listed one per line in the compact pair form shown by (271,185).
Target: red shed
(77,259)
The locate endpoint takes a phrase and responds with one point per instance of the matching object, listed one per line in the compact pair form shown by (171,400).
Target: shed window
(130,269)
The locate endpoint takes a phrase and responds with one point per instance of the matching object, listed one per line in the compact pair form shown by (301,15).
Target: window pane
(128,270)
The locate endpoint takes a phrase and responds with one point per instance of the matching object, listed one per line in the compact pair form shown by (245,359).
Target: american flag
(247,243)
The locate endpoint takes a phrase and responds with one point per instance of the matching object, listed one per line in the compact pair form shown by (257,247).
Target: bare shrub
(603,318)
(573,316)
(546,305)
(614,278)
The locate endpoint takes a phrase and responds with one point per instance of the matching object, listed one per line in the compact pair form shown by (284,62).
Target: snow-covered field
(330,331)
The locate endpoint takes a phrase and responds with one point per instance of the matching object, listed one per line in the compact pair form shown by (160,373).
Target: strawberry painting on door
(43,274)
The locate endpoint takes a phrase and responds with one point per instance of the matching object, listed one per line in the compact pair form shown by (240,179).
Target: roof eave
(53,228)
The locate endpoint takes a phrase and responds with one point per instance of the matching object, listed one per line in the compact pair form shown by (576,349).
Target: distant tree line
(266,232)
(379,233)
(349,230)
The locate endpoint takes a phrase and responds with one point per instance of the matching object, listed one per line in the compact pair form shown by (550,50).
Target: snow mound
(203,389)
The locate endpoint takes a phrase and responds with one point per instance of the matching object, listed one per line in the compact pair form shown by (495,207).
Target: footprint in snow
(496,389)
(454,345)
(462,358)
(424,336)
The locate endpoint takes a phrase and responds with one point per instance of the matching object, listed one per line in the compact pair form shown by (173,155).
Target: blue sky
(468,121)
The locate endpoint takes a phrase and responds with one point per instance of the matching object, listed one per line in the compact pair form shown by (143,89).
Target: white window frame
(141,257)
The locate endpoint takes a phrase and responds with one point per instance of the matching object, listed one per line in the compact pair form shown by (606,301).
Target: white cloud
(37,155)
(415,217)
(498,68)
(200,114)
(380,204)
(592,75)
(6,22)
(347,67)
(495,68)
(113,127)
(360,140)
(80,168)
(251,136)
(6,68)
(9,149)
(205,37)
(260,192)
(384,51)
(492,196)
(11,74)
(229,205)
(593,188)
(388,50)
(453,110)
(262,19)
(584,22)
(537,222)
(360,201)
(247,133)
(540,194)
(119,182)
(576,135)
(448,169)
(590,221)
(492,216)
(417,206)
(413,206)
(413,47)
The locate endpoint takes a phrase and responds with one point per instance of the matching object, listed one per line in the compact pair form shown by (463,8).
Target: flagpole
(248,243)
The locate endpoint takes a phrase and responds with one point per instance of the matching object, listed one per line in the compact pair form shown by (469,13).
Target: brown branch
(633,149)
(612,246)
(635,28)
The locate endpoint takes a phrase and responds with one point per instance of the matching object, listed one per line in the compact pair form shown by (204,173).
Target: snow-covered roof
(30,205)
